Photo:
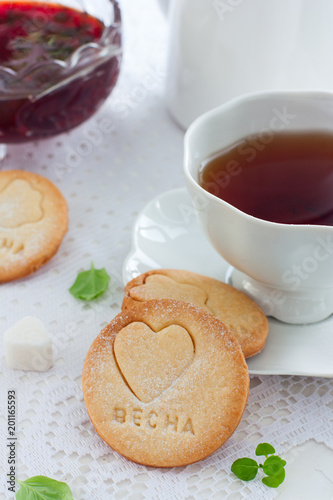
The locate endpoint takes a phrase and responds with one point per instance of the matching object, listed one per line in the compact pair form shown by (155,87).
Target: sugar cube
(28,345)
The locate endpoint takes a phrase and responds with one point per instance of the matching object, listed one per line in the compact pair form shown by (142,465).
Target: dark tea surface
(288,179)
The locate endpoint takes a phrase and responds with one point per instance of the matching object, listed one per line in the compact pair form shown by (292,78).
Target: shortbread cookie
(239,313)
(33,222)
(165,383)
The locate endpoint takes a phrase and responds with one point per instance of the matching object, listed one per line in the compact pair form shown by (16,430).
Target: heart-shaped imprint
(151,361)
(158,286)
(20,204)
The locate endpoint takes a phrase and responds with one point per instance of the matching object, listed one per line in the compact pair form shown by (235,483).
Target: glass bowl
(58,63)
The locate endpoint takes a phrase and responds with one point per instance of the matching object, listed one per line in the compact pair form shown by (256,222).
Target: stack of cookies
(166,382)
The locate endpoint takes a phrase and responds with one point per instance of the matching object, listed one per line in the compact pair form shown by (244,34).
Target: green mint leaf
(275,481)
(264,449)
(90,284)
(245,468)
(273,465)
(43,488)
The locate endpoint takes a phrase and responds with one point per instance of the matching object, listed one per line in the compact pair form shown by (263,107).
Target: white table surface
(106,185)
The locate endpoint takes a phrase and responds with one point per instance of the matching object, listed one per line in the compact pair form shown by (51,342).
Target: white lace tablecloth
(108,170)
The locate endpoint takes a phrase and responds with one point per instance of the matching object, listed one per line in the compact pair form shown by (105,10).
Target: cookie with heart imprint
(33,222)
(165,384)
(239,313)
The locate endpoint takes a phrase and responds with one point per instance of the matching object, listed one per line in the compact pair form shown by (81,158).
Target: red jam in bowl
(57,66)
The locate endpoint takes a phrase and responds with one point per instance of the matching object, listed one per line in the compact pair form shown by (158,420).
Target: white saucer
(167,234)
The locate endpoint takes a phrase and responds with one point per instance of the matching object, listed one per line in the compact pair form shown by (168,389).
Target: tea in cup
(259,170)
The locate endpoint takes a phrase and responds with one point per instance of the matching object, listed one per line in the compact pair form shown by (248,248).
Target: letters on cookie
(153,420)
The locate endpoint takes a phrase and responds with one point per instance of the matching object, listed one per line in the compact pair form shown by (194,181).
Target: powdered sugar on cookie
(173,418)
(33,222)
(239,313)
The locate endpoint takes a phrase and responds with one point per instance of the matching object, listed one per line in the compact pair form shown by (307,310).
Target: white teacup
(285,268)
